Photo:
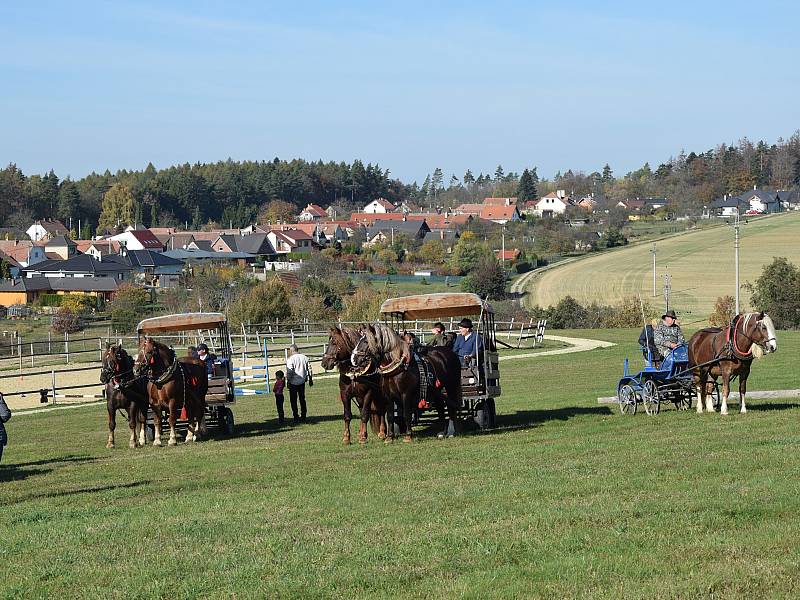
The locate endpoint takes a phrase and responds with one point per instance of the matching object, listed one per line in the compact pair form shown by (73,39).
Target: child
(277,389)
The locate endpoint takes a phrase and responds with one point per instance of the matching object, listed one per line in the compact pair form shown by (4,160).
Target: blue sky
(410,85)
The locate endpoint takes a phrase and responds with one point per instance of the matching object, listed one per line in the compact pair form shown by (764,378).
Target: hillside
(700,263)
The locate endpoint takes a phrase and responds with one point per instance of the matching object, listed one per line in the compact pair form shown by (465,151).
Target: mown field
(701,265)
(566,498)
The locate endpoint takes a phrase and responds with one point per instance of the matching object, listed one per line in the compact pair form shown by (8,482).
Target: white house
(141,239)
(380,205)
(312,212)
(44,230)
(554,203)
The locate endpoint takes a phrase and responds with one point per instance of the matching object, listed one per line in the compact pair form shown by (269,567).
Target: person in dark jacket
(468,345)
(207,357)
(5,415)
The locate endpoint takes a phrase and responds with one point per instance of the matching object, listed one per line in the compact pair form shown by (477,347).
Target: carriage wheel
(650,397)
(226,420)
(627,400)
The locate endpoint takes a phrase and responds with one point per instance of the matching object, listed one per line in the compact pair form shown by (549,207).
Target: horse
(383,351)
(124,391)
(365,390)
(173,383)
(729,353)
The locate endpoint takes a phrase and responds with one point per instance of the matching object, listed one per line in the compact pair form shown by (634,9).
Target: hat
(202,347)
(670,313)
(465,323)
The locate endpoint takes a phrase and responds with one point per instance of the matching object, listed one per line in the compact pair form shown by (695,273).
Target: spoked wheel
(627,400)
(650,398)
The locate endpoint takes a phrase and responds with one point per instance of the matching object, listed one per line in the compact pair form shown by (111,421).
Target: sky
(90,86)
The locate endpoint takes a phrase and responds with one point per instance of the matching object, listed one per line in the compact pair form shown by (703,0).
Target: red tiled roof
(146,238)
(469,209)
(512,254)
(384,203)
(499,201)
(315,209)
(490,213)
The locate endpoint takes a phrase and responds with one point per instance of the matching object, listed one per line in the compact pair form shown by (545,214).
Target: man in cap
(468,344)
(668,334)
(207,358)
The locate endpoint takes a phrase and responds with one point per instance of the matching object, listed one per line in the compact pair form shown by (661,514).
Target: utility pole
(503,250)
(653,252)
(736,253)
(667,290)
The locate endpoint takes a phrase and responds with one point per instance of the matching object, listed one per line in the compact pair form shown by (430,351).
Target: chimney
(441,234)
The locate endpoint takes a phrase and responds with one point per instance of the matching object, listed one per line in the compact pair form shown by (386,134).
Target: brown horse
(729,352)
(365,390)
(124,391)
(381,350)
(173,384)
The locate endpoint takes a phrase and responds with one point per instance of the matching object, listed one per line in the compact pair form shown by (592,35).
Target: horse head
(337,351)
(361,356)
(115,363)
(147,357)
(759,330)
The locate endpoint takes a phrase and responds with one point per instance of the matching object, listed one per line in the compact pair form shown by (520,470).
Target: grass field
(566,498)
(700,263)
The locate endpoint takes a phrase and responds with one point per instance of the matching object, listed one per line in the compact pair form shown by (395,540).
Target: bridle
(357,354)
(109,374)
(736,333)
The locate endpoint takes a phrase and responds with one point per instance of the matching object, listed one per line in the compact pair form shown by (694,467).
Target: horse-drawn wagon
(212,329)
(669,381)
(480,380)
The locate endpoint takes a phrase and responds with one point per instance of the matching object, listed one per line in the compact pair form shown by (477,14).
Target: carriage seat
(677,358)
(218,381)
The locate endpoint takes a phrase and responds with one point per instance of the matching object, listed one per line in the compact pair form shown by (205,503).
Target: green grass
(567,498)
(700,263)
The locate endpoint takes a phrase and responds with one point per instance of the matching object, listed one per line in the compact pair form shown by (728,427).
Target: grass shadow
(531,418)
(270,426)
(767,406)
(51,461)
(12,473)
(74,492)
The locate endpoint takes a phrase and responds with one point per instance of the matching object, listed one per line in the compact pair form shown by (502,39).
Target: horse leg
(112,425)
(701,390)
(157,426)
(190,426)
(742,391)
(132,422)
(172,419)
(347,416)
(142,420)
(726,390)
(365,417)
(407,410)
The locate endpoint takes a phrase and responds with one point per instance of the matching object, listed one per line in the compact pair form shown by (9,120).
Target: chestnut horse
(124,391)
(173,384)
(729,352)
(365,390)
(381,350)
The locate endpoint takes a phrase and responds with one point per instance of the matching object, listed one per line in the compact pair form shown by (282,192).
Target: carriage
(211,328)
(480,382)
(671,381)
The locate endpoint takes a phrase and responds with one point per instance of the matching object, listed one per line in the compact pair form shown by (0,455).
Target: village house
(511,255)
(554,203)
(312,212)
(80,265)
(46,229)
(788,199)
(287,239)
(60,247)
(138,239)
(152,268)
(500,201)
(28,290)
(385,231)
(24,252)
(255,245)
(379,205)
(500,214)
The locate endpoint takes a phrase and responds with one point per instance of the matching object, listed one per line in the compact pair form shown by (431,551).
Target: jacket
(471,346)
(665,335)
(647,341)
(5,415)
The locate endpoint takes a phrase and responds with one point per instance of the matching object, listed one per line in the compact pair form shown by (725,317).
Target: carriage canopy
(432,306)
(181,322)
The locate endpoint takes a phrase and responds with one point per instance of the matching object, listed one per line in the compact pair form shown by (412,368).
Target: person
(668,334)
(298,372)
(439,336)
(191,352)
(5,415)
(647,341)
(468,345)
(207,357)
(277,389)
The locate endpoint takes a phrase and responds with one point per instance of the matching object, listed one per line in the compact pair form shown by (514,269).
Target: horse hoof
(158,443)
(388,440)
(346,441)
(440,435)
(406,439)
(743,411)
(109,445)
(381,436)
(723,412)
(362,441)
(131,445)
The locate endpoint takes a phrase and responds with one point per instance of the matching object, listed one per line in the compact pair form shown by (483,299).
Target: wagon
(211,328)
(668,382)
(480,383)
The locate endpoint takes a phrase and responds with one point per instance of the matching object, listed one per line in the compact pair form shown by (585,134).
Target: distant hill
(701,265)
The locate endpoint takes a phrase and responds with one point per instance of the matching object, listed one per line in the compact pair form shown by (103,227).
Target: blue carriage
(667,381)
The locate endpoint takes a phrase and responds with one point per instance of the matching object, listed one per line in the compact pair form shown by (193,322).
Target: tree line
(232,193)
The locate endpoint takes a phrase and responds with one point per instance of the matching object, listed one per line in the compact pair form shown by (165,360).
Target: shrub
(523,267)
(267,301)
(777,291)
(487,279)
(724,308)
(66,320)
(128,307)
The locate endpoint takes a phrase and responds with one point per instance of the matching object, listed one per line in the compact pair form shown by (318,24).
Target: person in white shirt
(298,371)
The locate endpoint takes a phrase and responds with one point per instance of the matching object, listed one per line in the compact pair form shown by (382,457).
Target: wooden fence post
(53,375)
(66,345)
(32,355)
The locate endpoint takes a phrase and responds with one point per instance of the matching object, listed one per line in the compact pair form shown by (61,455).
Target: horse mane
(346,336)
(384,341)
(712,330)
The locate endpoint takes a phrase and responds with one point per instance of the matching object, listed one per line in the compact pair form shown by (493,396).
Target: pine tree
(608,174)
(499,173)
(526,190)
(469,178)
(436,181)
(153,215)
(69,200)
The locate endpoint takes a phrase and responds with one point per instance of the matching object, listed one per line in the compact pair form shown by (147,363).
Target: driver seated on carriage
(668,335)
(468,345)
